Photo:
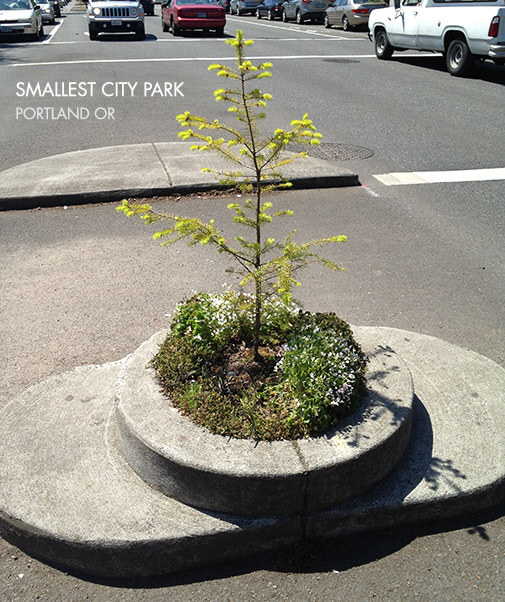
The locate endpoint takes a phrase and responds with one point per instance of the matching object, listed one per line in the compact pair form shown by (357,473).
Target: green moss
(311,373)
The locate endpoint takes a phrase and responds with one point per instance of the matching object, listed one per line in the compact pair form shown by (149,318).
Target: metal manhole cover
(341,61)
(332,151)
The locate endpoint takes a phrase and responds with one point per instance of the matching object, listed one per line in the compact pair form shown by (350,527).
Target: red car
(180,15)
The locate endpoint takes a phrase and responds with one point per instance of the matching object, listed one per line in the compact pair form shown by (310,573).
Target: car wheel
(458,59)
(220,31)
(299,18)
(93,33)
(383,49)
(284,16)
(346,26)
(258,15)
(175,28)
(40,33)
(270,15)
(327,23)
(140,33)
(164,26)
(499,62)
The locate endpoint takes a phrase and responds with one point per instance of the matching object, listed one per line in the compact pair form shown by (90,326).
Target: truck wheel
(458,59)
(383,49)
(93,33)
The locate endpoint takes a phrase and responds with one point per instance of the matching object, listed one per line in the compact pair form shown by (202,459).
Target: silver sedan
(348,14)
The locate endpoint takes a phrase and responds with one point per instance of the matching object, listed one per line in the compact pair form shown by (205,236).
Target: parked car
(225,4)
(304,10)
(21,17)
(244,7)
(348,14)
(56,7)
(148,7)
(47,12)
(271,9)
(183,15)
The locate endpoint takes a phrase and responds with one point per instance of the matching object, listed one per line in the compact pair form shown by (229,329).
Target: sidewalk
(146,170)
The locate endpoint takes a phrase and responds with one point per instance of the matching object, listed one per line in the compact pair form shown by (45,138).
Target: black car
(271,9)
(148,6)
(56,7)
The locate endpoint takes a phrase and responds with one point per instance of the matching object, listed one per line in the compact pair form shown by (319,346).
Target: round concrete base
(260,478)
(68,496)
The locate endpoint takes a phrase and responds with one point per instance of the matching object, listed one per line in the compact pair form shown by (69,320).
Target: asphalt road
(85,285)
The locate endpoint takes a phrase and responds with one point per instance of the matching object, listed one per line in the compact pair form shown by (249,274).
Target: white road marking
(207,40)
(268,57)
(51,35)
(434,177)
(370,191)
(290,27)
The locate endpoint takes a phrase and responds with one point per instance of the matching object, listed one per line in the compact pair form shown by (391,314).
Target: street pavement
(85,285)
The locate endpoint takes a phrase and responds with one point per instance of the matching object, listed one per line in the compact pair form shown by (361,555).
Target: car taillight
(360,11)
(306,1)
(493,28)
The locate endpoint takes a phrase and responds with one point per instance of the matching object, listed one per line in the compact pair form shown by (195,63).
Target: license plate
(201,15)
(116,23)
(6,29)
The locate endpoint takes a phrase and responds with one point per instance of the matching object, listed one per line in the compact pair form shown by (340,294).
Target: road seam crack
(165,169)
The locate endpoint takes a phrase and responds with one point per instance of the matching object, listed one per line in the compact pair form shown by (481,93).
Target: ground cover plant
(253,364)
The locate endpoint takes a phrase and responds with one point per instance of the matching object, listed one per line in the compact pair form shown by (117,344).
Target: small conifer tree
(259,162)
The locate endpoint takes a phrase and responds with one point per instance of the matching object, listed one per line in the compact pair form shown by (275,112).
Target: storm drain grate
(332,151)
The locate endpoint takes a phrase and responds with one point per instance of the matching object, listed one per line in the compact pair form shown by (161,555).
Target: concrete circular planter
(226,475)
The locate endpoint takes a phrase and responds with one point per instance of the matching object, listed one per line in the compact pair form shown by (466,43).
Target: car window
(15,5)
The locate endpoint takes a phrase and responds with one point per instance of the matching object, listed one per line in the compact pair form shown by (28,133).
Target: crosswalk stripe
(433,177)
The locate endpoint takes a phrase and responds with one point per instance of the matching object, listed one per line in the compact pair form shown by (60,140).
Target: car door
(290,8)
(339,12)
(403,30)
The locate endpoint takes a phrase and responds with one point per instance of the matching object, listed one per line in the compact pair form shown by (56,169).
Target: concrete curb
(261,478)
(163,168)
(69,497)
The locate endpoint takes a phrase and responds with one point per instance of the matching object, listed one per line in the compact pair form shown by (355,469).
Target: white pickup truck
(461,29)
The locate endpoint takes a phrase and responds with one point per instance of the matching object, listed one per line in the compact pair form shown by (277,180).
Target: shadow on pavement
(482,70)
